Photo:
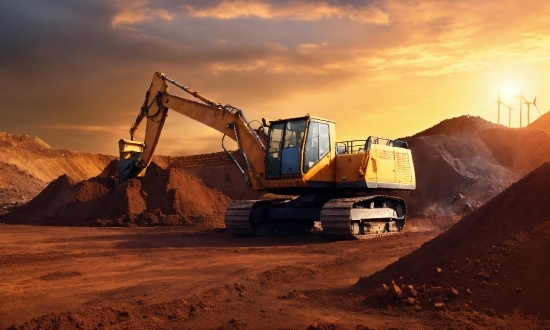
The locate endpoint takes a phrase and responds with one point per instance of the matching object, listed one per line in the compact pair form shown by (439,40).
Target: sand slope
(463,162)
(28,164)
(499,253)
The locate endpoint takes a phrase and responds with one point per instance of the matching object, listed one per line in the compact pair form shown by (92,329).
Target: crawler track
(336,217)
(237,218)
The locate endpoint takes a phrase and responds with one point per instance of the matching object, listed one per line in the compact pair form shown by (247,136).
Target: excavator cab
(295,146)
(298,150)
(284,148)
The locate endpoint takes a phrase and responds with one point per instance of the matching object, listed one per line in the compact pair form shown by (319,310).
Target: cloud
(132,12)
(306,49)
(298,11)
(218,67)
(83,66)
(85,128)
(451,56)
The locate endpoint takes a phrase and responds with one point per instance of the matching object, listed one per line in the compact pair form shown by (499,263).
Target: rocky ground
(173,278)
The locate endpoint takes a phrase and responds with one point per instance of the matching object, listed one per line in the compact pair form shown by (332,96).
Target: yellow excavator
(335,181)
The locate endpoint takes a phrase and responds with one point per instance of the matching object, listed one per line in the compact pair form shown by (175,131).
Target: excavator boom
(136,156)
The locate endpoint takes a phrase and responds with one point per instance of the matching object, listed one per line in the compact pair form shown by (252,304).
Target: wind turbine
(510,109)
(522,99)
(529,106)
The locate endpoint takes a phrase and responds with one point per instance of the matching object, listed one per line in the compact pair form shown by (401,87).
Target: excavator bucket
(130,153)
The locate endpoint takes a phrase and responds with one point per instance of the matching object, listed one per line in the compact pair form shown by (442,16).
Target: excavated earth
(495,260)
(463,162)
(29,164)
(163,197)
(542,123)
(172,278)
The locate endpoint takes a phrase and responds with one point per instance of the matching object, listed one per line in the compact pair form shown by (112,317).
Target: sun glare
(509,92)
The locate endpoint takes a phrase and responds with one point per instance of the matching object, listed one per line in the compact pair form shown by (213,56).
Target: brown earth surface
(494,260)
(463,162)
(216,171)
(542,123)
(163,197)
(172,278)
(28,165)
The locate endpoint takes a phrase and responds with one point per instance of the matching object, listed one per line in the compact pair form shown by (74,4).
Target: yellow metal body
(379,167)
(383,167)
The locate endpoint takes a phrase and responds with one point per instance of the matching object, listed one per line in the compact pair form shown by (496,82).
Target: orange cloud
(306,49)
(300,11)
(87,128)
(451,55)
(132,12)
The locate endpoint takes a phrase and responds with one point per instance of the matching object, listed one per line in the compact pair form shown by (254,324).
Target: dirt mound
(29,164)
(457,173)
(22,141)
(16,186)
(215,158)
(216,171)
(457,125)
(162,197)
(542,123)
(494,260)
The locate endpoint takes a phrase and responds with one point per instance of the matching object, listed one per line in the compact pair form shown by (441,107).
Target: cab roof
(306,117)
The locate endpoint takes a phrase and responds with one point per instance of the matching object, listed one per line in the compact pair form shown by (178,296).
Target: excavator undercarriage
(340,218)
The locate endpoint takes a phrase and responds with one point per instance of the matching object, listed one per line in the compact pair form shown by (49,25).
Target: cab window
(317,144)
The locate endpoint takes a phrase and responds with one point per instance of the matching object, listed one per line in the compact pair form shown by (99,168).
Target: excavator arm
(136,156)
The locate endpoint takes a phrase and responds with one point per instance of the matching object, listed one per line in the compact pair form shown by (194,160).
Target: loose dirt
(216,171)
(542,123)
(495,260)
(29,164)
(458,125)
(162,197)
(463,162)
(175,278)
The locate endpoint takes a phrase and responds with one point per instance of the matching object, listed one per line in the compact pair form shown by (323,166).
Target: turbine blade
(537,107)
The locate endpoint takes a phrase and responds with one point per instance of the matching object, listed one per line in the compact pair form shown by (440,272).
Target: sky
(74,73)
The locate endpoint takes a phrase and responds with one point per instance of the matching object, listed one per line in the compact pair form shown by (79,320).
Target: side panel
(387,168)
(385,162)
(347,167)
(404,170)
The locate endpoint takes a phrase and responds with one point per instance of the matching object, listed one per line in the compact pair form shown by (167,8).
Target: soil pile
(28,164)
(468,161)
(16,186)
(216,171)
(542,123)
(495,260)
(215,158)
(162,197)
(457,125)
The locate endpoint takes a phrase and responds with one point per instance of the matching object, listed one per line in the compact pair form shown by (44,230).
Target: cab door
(284,149)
